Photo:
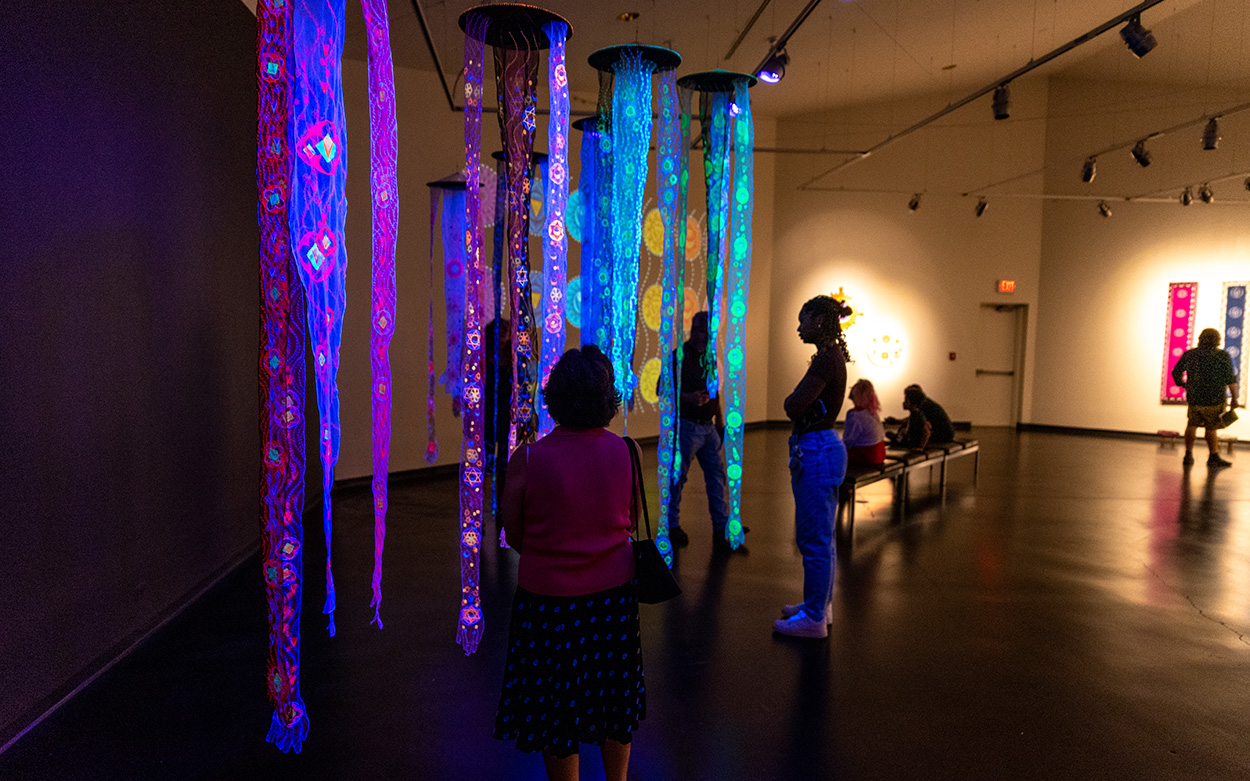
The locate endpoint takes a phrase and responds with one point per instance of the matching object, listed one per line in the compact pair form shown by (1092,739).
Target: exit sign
(1006,286)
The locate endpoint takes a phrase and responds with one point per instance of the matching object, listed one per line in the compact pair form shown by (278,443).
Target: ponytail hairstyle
(831,312)
(868,394)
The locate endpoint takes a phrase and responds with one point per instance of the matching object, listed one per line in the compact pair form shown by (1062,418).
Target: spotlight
(914,203)
(1104,209)
(1187,197)
(1139,40)
(1002,102)
(1204,193)
(1211,134)
(1141,154)
(1089,170)
(981,204)
(775,67)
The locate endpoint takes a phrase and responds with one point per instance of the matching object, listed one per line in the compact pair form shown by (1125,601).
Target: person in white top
(863,432)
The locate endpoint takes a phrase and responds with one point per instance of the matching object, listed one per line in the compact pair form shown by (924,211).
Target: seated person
(927,425)
(863,433)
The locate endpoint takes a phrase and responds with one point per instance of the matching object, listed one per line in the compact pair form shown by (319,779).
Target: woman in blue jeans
(817,463)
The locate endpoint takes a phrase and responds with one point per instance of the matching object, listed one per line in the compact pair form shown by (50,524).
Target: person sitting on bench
(927,425)
(863,433)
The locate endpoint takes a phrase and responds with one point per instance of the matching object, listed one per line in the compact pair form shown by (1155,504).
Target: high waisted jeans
(817,467)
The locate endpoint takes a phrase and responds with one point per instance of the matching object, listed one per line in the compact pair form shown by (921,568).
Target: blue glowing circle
(573,302)
(573,215)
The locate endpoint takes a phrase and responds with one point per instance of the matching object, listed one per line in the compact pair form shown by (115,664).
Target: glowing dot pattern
(1234,334)
(631,137)
(716,140)
(672,189)
(281,377)
(317,216)
(471,622)
(497,298)
(743,187)
(588,200)
(1179,333)
(555,237)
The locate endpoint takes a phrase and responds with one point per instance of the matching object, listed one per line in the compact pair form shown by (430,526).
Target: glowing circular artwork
(573,302)
(694,239)
(690,307)
(647,380)
(845,298)
(885,350)
(651,302)
(653,232)
(573,216)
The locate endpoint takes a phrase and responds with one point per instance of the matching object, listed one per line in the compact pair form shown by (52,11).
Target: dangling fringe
(376,604)
(286,738)
(468,637)
(503,538)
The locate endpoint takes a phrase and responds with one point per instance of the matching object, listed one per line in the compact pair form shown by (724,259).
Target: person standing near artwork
(573,672)
(817,463)
(1206,374)
(699,427)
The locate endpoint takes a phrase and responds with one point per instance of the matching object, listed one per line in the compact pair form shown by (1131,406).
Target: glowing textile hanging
(1182,299)
(516,71)
(497,448)
(431,444)
(725,111)
(1233,307)
(589,126)
(282,377)
(454,291)
(671,153)
(317,215)
(742,191)
(596,292)
(384,193)
(555,240)
(471,622)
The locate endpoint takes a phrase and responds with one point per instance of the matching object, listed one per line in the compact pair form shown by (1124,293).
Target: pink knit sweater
(568,510)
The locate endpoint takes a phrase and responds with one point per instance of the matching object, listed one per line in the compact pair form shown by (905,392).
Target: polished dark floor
(1081,613)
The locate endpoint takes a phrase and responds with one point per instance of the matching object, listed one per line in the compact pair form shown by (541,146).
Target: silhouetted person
(928,424)
(1206,374)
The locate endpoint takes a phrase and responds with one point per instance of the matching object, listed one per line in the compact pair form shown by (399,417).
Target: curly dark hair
(581,392)
(831,312)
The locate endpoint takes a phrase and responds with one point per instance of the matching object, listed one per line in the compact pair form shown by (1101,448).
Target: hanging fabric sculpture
(597,225)
(586,199)
(555,238)
(672,186)
(384,192)
(431,443)
(725,113)
(282,377)
(1233,305)
(317,216)
(1182,301)
(454,287)
(516,32)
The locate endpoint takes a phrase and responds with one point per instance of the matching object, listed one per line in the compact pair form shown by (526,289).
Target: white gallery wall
(1104,281)
(922,276)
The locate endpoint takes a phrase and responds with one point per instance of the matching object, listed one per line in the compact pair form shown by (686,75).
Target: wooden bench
(899,466)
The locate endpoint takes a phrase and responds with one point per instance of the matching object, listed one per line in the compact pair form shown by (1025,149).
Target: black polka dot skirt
(574,671)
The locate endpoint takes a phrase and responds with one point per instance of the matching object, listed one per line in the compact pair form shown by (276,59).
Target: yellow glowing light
(648,379)
(691,307)
(845,298)
(694,239)
(885,350)
(652,302)
(653,232)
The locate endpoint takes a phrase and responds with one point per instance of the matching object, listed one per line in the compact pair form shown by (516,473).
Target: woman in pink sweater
(574,668)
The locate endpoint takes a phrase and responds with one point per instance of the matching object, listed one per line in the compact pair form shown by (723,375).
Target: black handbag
(655,580)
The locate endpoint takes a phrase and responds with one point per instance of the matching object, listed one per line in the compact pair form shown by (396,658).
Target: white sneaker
(799,625)
(792,610)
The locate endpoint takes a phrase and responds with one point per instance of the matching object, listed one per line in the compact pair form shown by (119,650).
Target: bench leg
(942,482)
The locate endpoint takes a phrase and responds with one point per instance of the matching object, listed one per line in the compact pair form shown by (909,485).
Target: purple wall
(128,325)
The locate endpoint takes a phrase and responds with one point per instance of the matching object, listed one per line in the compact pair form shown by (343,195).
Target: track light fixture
(914,203)
(1104,209)
(981,204)
(1141,154)
(1211,134)
(1139,40)
(1187,197)
(1204,193)
(1089,170)
(774,69)
(1002,102)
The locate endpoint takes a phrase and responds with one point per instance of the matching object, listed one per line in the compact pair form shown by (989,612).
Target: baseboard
(12,732)
(1082,431)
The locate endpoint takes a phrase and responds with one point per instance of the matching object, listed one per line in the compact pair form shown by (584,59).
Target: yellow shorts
(1206,417)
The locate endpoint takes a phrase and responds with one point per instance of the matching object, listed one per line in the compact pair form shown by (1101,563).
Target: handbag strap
(636,469)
